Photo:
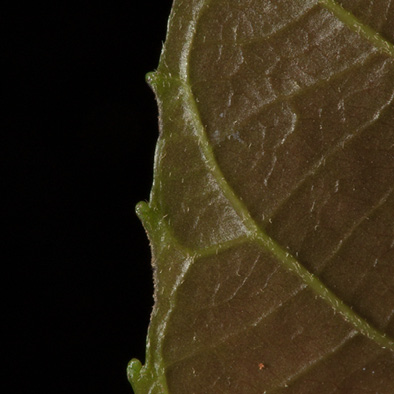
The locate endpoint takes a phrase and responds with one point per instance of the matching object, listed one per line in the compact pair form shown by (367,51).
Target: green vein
(357,26)
(255,233)
(209,158)
(221,247)
(310,367)
(152,220)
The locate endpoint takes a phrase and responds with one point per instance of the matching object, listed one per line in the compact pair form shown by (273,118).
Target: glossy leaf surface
(271,214)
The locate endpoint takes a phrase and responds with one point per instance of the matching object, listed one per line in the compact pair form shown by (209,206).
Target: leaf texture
(271,213)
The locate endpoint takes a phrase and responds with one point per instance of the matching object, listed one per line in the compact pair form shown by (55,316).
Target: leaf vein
(345,140)
(257,234)
(246,327)
(307,367)
(360,28)
(353,228)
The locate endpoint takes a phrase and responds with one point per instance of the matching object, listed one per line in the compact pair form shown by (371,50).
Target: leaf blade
(183,73)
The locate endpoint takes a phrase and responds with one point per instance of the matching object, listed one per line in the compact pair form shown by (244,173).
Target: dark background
(77,155)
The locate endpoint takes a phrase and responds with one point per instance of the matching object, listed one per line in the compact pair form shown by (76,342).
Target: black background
(77,155)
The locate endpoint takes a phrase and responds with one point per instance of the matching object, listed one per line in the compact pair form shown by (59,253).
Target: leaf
(271,213)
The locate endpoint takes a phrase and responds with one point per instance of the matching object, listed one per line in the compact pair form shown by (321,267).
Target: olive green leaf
(271,213)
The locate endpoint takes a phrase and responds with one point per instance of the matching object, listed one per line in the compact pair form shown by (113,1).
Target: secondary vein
(255,232)
(359,27)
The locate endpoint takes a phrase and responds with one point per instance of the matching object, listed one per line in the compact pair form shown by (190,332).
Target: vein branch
(359,27)
(259,236)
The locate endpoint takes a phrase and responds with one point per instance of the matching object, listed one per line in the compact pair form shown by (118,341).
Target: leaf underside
(271,213)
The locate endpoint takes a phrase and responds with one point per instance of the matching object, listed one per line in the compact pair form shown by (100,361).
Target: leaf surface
(271,213)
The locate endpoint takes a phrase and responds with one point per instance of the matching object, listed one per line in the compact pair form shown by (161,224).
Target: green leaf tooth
(142,380)
(142,210)
(150,76)
(152,79)
(151,222)
(158,231)
(147,216)
(133,373)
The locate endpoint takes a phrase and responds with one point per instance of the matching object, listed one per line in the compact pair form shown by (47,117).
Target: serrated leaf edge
(135,370)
